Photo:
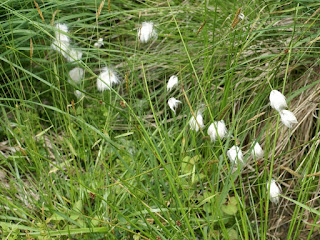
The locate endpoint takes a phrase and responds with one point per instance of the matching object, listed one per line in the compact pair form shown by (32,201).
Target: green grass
(120,164)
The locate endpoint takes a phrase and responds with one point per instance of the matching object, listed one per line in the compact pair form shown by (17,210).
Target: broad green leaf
(55,217)
(233,235)
(78,206)
(188,164)
(231,207)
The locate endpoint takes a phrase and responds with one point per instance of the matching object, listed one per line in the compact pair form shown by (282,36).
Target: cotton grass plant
(117,163)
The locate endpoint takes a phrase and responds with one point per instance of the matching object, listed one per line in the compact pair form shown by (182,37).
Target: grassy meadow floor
(120,164)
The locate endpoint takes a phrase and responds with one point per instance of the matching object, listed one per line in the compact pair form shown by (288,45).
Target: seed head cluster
(217,130)
(278,102)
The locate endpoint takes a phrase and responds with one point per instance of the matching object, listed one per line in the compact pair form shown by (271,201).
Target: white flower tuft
(78,94)
(62,41)
(277,100)
(217,129)
(257,151)
(73,55)
(288,118)
(275,191)
(235,154)
(62,44)
(76,75)
(99,43)
(61,47)
(196,124)
(146,32)
(173,81)
(60,34)
(173,104)
(106,79)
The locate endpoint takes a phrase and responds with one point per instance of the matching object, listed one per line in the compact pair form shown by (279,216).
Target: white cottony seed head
(106,79)
(173,104)
(146,32)
(288,118)
(218,128)
(73,55)
(196,124)
(76,75)
(62,27)
(78,94)
(69,53)
(173,81)
(257,151)
(62,44)
(99,43)
(60,33)
(61,47)
(277,100)
(275,191)
(235,154)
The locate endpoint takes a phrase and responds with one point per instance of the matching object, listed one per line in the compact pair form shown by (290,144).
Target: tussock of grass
(120,164)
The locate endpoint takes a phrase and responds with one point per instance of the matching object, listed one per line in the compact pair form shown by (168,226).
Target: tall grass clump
(155,120)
